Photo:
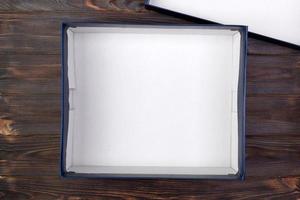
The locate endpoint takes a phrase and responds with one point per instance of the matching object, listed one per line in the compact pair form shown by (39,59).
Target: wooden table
(30,111)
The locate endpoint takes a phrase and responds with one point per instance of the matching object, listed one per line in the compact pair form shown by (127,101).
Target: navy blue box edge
(240,175)
(64,108)
(242,92)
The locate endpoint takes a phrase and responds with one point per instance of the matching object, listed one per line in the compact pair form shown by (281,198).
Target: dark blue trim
(62,149)
(241,104)
(242,92)
(72,175)
(64,98)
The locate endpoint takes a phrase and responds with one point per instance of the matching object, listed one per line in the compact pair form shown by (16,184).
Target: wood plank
(273,115)
(16,32)
(21,87)
(22,62)
(45,187)
(271,108)
(259,47)
(31,73)
(271,155)
(70,5)
(36,128)
(37,37)
(277,74)
(35,5)
(257,125)
(30,107)
(15,146)
(29,44)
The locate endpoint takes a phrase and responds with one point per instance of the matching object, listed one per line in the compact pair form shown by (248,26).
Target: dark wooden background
(30,111)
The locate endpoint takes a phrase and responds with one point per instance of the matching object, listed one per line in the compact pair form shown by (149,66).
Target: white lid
(278,19)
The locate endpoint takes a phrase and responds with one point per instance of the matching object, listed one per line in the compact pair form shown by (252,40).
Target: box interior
(153,100)
(278,19)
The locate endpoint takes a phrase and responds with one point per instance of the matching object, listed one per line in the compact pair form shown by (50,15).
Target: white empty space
(279,19)
(153,100)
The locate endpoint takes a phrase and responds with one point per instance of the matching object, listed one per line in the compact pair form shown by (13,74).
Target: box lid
(279,20)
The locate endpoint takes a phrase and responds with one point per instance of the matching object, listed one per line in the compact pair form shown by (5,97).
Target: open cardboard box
(144,101)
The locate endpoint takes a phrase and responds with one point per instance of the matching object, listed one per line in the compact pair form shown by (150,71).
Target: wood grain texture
(30,111)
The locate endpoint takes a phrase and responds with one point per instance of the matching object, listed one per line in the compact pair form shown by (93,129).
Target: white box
(153,101)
